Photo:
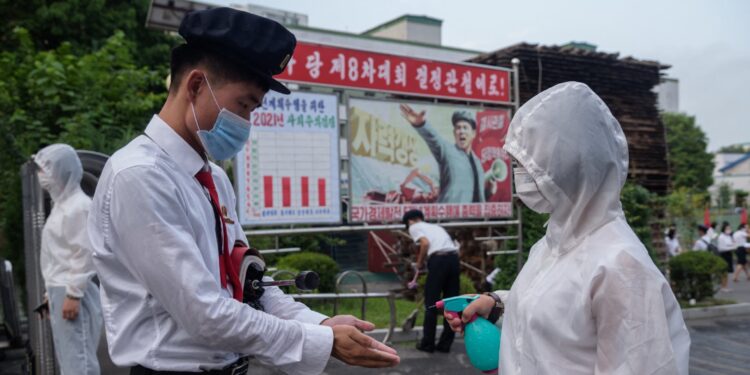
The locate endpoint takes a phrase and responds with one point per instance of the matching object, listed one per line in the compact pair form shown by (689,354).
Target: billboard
(372,71)
(446,160)
(288,172)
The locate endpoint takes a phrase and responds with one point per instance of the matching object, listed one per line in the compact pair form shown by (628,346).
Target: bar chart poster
(288,172)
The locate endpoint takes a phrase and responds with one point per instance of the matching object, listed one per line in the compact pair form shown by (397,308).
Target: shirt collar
(176,147)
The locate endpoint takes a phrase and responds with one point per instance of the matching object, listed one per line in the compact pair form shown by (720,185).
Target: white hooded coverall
(66,262)
(589,300)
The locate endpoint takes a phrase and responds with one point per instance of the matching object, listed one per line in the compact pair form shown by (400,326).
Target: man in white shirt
(443,271)
(162,235)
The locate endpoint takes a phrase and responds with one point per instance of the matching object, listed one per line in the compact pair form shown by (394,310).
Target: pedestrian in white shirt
(672,243)
(440,252)
(712,231)
(726,246)
(73,299)
(161,224)
(740,240)
(703,243)
(589,299)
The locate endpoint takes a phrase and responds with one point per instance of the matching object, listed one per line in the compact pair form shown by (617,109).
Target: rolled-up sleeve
(149,228)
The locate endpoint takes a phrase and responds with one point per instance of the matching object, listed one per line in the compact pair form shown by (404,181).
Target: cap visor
(278,86)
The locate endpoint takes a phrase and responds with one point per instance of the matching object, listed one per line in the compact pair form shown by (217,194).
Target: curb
(716,311)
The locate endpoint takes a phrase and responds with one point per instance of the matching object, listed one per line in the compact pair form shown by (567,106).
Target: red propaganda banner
(348,68)
(492,126)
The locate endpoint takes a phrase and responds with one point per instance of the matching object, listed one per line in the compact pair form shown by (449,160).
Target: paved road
(720,346)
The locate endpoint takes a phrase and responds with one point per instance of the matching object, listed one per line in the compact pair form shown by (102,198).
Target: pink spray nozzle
(440,304)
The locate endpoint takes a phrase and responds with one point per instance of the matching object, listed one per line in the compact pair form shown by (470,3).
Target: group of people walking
(730,245)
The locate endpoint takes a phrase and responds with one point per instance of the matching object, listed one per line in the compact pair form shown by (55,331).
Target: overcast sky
(707,43)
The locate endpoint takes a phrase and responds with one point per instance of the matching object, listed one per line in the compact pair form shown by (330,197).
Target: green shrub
(324,265)
(467,286)
(695,274)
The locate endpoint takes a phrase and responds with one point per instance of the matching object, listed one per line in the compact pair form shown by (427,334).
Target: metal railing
(40,332)
(364,290)
(280,251)
(390,297)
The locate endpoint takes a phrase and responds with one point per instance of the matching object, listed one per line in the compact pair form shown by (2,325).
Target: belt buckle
(240,368)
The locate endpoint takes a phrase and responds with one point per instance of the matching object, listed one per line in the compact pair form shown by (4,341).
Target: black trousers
(442,277)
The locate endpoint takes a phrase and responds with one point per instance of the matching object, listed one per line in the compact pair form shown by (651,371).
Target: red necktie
(225,265)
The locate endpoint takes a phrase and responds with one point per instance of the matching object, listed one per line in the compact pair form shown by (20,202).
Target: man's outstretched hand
(415,119)
(348,320)
(357,349)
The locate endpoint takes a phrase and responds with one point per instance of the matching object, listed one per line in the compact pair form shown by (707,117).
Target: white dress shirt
(740,238)
(439,239)
(702,243)
(726,243)
(673,246)
(155,249)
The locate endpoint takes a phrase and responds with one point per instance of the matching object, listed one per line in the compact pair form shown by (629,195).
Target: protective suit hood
(63,168)
(576,152)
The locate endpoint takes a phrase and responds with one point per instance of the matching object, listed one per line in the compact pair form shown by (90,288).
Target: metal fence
(34,214)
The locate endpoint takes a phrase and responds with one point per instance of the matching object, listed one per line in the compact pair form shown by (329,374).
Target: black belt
(443,253)
(238,368)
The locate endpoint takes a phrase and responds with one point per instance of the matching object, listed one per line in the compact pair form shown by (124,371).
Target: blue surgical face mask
(229,134)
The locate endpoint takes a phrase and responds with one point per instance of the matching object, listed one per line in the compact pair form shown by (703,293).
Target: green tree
(740,148)
(533,230)
(96,101)
(740,198)
(86,25)
(639,206)
(683,203)
(692,166)
(724,197)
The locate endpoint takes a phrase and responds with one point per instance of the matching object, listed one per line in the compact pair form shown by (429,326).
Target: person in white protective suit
(66,264)
(589,300)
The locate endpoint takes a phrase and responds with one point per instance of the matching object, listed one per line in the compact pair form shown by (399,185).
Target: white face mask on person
(529,193)
(45,181)
(229,134)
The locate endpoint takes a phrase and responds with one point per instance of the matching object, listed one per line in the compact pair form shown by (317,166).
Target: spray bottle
(482,338)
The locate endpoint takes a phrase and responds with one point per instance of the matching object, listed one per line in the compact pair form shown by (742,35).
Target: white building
(732,169)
